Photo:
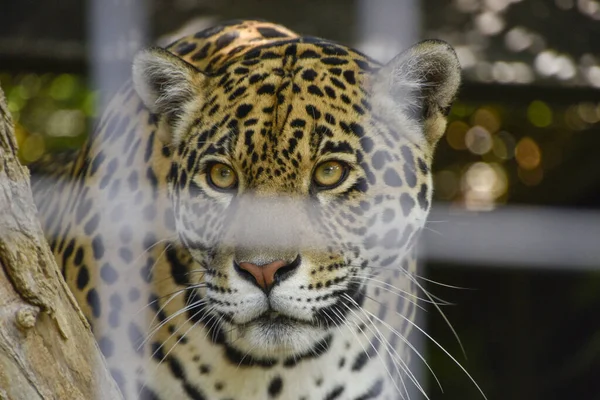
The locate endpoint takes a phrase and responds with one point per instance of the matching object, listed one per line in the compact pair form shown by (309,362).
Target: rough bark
(47,350)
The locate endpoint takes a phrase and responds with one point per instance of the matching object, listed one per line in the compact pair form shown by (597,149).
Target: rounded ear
(423,82)
(167,86)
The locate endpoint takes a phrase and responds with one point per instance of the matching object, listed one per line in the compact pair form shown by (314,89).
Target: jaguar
(241,224)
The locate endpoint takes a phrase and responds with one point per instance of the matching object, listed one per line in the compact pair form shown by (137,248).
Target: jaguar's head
(299,169)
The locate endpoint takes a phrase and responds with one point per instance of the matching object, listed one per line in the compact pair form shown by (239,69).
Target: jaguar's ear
(423,81)
(168,86)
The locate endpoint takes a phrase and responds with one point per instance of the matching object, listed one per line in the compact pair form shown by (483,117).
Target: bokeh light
(478,140)
(528,154)
(539,114)
(482,184)
(46,109)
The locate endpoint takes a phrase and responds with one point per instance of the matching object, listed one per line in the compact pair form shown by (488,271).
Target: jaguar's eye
(222,177)
(330,174)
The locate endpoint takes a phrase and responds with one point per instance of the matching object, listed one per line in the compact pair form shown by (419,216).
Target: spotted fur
(152,251)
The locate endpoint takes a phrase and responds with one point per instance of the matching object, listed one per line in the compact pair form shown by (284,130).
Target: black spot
(309,75)
(68,251)
(185,48)
(225,40)
(423,166)
(367,144)
(192,391)
(93,300)
(241,71)
(83,208)
(96,162)
(314,89)
(349,76)
(313,112)
(330,92)
(136,337)
(107,347)
(378,159)
(360,361)
(268,33)
(298,123)
(407,203)
(113,319)
(204,369)
(243,110)
(237,93)
(91,226)
(147,394)
(407,155)
(108,274)
(333,61)
(330,119)
(275,386)
(133,181)
(176,368)
(291,50)
(125,254)
(357,129)
(78,256)
(212,31)
(202,53)
(149,146)
(386,262)
(267,88)
(422,197)
(341,85)
(333,147)
(391,178)
(178,269)
(134,294)
(309,54)
(409,175)
(83,277)
(373,392)
(358,109)
(119,379)
(98,247)
(242,359)
(335,393)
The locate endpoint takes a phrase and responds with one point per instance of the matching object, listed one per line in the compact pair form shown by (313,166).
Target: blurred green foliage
(52,112)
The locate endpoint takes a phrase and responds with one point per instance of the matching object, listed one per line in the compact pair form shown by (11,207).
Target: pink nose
(264,275)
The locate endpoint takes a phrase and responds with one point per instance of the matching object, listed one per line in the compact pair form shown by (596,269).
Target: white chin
(266,338)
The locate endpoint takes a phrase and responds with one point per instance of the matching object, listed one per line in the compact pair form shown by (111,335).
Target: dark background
(531,92)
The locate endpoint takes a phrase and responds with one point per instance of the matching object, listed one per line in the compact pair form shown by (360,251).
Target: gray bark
(47,350)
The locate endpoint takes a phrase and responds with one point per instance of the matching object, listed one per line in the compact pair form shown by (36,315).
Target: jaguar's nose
(267,275)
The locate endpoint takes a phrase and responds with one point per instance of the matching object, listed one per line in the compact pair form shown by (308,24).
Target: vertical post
(116,30)
(385,29)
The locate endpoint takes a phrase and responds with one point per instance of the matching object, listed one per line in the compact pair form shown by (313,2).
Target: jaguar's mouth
(275,320)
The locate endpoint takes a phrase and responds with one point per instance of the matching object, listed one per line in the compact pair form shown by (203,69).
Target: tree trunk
(47,350)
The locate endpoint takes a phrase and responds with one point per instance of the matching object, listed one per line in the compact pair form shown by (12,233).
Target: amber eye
(330,174)
(222,177)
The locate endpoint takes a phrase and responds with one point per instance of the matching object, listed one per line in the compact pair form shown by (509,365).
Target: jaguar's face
(293,182)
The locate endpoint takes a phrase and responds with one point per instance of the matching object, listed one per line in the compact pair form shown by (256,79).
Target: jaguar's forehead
(286,103)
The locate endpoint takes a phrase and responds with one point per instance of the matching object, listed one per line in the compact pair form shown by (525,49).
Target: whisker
(400,336)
